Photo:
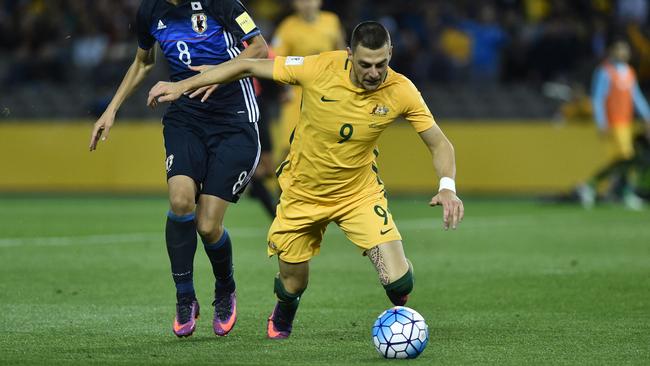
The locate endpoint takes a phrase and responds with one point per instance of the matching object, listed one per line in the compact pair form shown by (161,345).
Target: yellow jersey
(333,148)
(297,37)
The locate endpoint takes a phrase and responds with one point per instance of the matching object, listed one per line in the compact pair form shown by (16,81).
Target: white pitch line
(432,223)
(85,239)
(111,238)
(435,222)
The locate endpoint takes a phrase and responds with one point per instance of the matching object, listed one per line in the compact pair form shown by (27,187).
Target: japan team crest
(199,23)
(168,162)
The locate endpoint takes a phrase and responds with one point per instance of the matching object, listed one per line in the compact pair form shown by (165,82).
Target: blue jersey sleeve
(235,19)
(600,85)
(640,102)
(143,26)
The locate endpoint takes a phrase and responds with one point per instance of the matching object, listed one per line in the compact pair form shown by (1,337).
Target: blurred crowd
(484,41)
(56,40)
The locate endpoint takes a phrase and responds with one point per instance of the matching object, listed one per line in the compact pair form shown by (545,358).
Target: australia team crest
(199,23)
(380,111)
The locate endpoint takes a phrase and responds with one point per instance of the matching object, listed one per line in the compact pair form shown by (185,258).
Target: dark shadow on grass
(191,339)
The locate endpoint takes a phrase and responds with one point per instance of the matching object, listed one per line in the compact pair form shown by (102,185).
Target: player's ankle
(398,290)
(288,302)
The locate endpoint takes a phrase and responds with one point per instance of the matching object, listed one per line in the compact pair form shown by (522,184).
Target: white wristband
(447,183)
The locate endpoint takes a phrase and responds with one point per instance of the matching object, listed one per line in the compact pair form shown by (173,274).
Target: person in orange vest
(615,95)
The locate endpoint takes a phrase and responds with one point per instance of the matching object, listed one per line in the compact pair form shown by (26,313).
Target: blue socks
(180,235)
(220,254)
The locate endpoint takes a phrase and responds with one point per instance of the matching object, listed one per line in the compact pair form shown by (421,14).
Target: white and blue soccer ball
(400,332)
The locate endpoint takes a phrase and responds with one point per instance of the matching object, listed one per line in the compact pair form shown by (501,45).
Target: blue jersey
(202,32)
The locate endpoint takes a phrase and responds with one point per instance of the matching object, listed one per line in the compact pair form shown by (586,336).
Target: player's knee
(209,231)
(399,289)
(181,204)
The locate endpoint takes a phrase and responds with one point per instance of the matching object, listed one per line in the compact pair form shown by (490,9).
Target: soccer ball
(400,332)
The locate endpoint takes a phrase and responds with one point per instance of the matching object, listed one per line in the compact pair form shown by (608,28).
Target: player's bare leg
(209,216)
(180,235)
(216,240)
(394,270)
(290,283)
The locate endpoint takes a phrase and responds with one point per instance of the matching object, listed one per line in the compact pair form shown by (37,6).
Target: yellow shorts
(297,231)
(621,144)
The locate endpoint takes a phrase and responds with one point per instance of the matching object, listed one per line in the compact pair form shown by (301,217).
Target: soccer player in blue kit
(211,138)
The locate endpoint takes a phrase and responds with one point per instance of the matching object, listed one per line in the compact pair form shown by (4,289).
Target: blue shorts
(220,156)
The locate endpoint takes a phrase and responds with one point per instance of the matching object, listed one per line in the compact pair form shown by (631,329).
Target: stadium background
(505,79)
(84,276)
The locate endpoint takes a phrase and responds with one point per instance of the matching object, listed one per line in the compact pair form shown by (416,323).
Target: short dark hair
(369,34)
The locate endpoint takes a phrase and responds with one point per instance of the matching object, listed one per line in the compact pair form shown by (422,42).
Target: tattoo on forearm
(380,264)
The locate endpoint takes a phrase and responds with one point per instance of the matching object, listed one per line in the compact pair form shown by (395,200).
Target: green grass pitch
(86,280)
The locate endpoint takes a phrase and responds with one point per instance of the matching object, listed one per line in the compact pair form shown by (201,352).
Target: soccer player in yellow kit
(309,31)
(329,175)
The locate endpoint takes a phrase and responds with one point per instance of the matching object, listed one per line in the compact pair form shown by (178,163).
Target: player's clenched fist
(453,210)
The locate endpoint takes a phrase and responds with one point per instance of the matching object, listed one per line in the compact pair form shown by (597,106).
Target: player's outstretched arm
(219,74)
(256,48)
(444,163)
(143,63)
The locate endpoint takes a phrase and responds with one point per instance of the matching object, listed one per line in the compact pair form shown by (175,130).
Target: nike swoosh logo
(382,232)
(178,327)
(270,330)
(323,99)
(228,325)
